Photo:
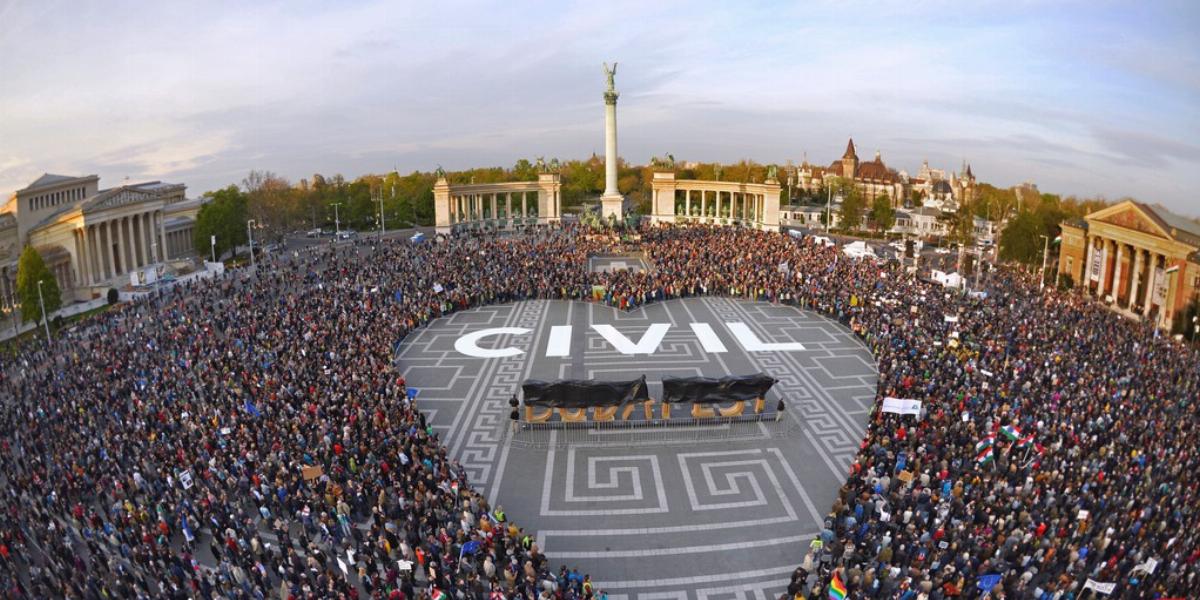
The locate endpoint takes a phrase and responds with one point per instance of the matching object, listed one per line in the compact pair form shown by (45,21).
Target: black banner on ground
(584,393)
(709,390)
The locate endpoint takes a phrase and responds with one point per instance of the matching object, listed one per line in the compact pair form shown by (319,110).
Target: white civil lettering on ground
(469,344)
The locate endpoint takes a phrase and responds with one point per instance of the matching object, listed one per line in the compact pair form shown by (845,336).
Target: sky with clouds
(1085,98)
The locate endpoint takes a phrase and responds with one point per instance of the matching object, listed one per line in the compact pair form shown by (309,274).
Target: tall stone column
(1116,285)
(148,219)
(611,203)
(1135,276)
(161,227)
(109,257)
(1100,283)
(1151,282)
(1085,278)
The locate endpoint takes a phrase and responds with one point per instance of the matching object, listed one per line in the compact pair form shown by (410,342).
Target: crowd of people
(250,437)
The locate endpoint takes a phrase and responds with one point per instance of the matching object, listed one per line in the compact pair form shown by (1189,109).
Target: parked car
(313,233)
(346,234)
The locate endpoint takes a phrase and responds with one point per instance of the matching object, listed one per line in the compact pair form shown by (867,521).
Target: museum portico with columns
(1139,258)
(93,239)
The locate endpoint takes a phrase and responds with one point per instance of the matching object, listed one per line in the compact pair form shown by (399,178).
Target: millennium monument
(611,203)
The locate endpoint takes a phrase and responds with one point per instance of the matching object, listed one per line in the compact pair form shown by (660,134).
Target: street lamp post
(45,317)
(337,224)
(1045,251)
(828,203)
(382,222)
(250,239)
(212,245)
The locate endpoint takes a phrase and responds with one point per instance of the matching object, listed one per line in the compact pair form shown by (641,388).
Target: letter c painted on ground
(469,344)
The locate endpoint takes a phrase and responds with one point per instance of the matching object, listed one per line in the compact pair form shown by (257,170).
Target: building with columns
(714,202)
(1137,257)
(92,239)
(496,205)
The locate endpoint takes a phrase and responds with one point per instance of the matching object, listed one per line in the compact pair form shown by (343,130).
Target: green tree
(223,216)
(1021,239)
(853,206)
(524,171)
(30,270)
(883,216)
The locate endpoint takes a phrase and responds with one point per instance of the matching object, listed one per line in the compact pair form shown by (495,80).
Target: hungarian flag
(438,595)
(1010,432)
(983,449)
(837,589)
(1025,441)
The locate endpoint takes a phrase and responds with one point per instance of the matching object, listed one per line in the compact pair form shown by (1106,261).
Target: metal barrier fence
(682,431)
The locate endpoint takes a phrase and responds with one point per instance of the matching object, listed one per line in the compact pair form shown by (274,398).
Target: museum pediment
(1131,217)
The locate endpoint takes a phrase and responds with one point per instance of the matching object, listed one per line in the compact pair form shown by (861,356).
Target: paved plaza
(608,264)
(728,517)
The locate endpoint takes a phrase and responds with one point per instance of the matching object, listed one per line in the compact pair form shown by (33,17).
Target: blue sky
(1082,98)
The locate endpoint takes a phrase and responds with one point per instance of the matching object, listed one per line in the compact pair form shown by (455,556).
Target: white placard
(1101,588)
(185,479)
(1083,515)
(405,565)
(901,406)
(951,318)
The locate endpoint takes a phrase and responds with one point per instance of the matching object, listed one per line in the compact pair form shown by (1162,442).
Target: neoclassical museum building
(1139,258)
(92,239)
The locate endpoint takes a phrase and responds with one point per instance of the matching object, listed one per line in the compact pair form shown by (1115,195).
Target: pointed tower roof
(850,150)
(969,175)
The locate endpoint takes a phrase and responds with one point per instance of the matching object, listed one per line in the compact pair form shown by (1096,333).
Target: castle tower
(849,161)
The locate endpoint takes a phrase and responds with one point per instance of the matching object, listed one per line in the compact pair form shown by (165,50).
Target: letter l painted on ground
(751,343)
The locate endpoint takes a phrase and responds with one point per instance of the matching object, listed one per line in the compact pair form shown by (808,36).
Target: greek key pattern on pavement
(655,515)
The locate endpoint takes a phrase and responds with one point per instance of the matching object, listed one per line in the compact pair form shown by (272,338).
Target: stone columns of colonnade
(122,263)
(1152,281)
(1102,244)
(1135,276)
(1084,280)
(144,237)
(94,252)
(135,242)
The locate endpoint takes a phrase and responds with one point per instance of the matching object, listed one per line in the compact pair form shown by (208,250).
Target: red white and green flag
(438,595)
(1010,432)
(984,449)
(1025,441)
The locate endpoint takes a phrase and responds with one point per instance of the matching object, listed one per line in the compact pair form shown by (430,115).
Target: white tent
(950,280)
(858,249)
